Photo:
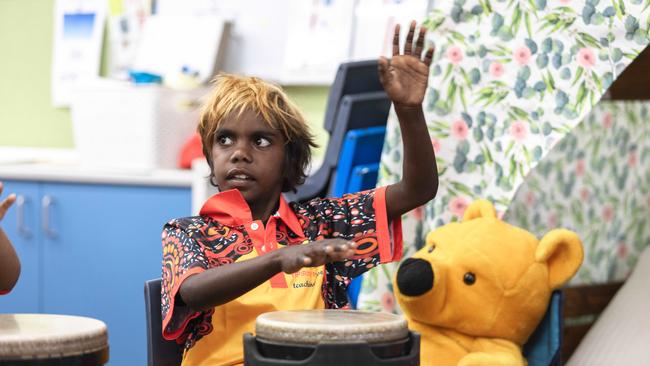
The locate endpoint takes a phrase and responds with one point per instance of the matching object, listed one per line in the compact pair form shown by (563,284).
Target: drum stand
(261,352)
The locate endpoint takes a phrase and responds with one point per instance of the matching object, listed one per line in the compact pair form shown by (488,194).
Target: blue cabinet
(21,226)
(91,249)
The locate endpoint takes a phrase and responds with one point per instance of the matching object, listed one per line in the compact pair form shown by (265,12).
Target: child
(9,263)
(249,252)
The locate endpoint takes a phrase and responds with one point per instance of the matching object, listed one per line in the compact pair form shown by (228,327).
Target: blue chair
(545,344)
(160,352)
(351,78)
(363,177)
(356,100)
(357,170)
(356,111)
(361,148)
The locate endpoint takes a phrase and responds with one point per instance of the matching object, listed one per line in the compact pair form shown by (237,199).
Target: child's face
(248,155)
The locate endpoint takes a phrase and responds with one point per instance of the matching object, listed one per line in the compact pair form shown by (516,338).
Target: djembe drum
(331,337)
(49,340)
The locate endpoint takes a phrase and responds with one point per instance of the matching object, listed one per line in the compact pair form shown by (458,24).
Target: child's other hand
(405,77)
(316,254)
(6,203)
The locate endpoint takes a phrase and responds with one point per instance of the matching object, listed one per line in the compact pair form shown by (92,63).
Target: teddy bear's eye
(469,278)
(432,248)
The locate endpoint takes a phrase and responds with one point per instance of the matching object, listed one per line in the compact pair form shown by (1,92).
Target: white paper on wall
(124,26)
(318,38)
(374,25)
(78,34)
(170,42)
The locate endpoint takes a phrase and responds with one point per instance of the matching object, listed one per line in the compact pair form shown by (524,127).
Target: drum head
(42,336)
(330,326)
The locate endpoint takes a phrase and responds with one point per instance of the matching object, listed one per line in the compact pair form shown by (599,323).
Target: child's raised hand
(405,77)
(315,254)
(6,203)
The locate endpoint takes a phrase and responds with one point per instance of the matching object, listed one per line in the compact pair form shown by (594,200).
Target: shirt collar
(231,209)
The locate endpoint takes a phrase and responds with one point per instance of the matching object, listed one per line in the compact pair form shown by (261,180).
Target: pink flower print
(518,130)
(632,159)
(586,58)
(459,129)
(522,55)
(608,213)
(565,1)
(551,220)
(584,194)
(580,167)
(436,145)
(608,120)
(458,205)
(496,69)
(455,54)
(622,250)
(530,198)
(388,302)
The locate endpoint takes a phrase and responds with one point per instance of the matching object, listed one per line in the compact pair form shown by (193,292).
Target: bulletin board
(298,42)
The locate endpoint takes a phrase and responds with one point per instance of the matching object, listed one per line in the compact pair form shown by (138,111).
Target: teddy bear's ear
(562,252)
(479,208)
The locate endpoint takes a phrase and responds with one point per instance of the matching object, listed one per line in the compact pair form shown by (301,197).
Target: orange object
(192,149)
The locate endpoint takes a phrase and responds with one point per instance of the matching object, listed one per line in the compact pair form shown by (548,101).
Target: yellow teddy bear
(479,287)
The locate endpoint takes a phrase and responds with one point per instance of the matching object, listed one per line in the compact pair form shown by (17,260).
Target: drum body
(48,340)
(331,337)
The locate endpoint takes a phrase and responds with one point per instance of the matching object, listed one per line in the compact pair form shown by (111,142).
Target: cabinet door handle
(23,230)
(46,204)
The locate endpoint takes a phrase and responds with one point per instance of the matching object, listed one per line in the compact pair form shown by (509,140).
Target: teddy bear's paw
(491,359)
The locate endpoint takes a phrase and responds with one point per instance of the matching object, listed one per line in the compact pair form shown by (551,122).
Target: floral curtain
(509,80)
(596,181)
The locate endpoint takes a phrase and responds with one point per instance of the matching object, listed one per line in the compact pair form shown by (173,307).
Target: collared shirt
(226,232)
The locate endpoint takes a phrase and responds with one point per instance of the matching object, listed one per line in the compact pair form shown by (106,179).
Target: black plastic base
(260,352)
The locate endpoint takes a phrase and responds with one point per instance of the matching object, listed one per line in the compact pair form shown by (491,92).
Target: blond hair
(233,95)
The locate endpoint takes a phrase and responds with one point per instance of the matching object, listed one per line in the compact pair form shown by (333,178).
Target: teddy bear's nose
(414,277)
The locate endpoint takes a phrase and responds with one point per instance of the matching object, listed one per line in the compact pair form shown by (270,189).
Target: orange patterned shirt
(225,232)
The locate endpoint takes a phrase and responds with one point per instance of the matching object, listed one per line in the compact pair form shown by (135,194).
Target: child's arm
(9,263)
(222,284)
(405,78)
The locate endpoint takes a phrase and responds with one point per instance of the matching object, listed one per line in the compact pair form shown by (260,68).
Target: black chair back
(356,111)
(351,78)
(160,352)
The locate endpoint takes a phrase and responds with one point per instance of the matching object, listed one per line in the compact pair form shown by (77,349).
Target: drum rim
(84,342)
(393,328)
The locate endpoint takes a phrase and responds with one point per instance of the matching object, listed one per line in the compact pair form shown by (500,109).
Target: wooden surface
(582,304)
(634,82)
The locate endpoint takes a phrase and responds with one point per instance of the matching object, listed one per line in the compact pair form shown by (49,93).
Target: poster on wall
(375,21)
(318,40)
(124,23)
(291,42)
(78,33)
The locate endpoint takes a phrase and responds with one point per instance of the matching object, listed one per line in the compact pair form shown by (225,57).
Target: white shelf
(66,172)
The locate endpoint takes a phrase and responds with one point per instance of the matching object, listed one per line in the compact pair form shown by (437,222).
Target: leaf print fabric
(596,181)
(509,80)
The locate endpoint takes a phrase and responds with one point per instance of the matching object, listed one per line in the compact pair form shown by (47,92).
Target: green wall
(312,102)
(27,117)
